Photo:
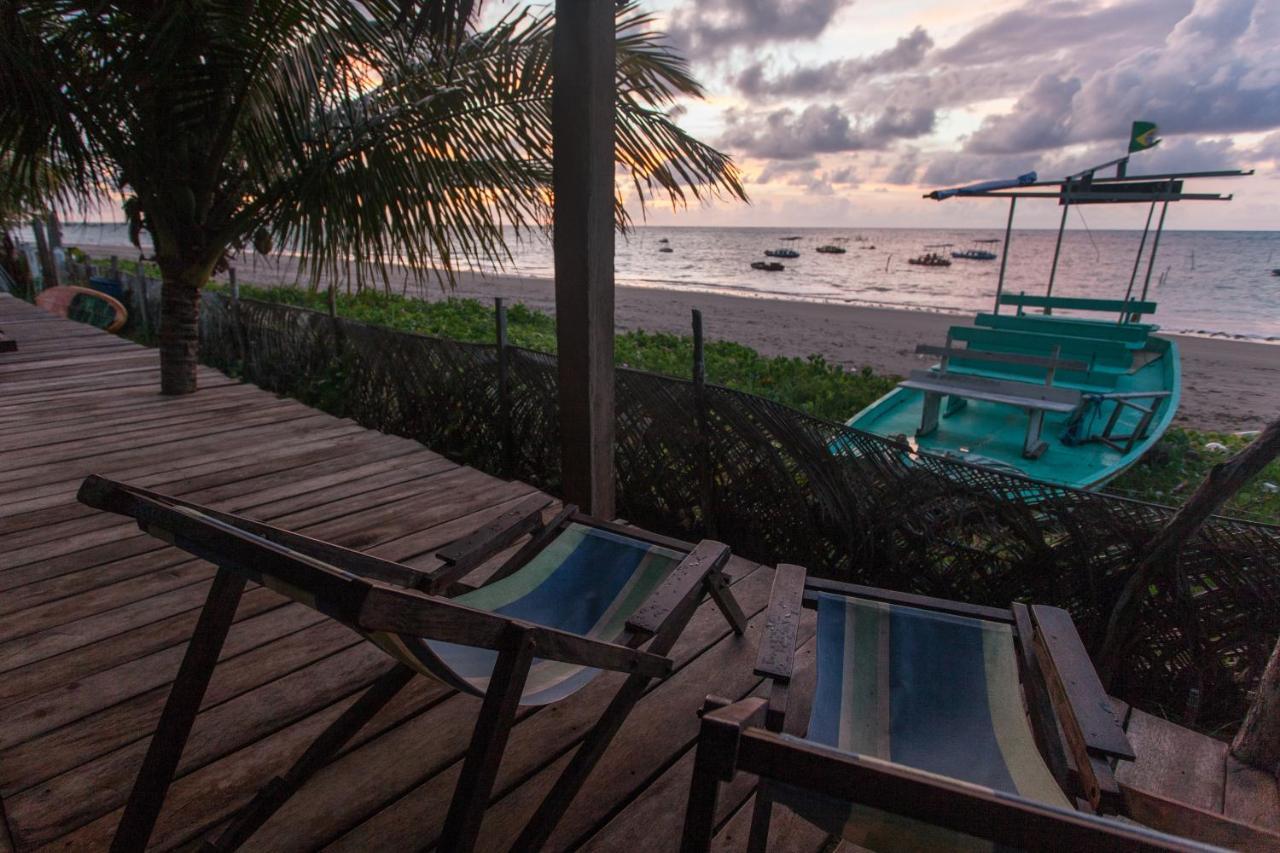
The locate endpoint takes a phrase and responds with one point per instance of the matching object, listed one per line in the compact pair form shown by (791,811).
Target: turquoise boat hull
(992,434)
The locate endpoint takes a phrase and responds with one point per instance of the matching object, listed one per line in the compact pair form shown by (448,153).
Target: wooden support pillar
(582,106)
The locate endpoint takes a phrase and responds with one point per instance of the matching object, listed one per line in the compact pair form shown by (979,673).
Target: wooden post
(115,268)
(1258,741)
(582,104)
(705,491)
(235,286)
(504,389)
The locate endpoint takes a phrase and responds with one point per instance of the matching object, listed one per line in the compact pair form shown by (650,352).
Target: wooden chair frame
(1072,719)
(369,595)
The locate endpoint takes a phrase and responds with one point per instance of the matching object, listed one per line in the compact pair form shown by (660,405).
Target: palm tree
(357,134)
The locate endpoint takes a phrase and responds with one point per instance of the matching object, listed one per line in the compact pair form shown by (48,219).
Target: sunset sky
(841,112)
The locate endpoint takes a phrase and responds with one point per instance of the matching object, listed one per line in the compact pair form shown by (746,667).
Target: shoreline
(1228,384)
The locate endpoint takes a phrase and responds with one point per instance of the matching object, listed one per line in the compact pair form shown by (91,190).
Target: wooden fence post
(504,389)
(115,268)
(706,495)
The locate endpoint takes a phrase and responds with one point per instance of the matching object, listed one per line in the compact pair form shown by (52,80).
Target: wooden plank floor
(94,618)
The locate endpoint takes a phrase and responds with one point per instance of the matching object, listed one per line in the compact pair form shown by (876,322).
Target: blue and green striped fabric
(587,581)
(929,690)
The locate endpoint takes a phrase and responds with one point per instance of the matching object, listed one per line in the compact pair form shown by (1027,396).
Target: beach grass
(811,384)
(1168,474)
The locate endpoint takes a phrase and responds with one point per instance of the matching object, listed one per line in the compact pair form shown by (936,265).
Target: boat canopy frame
(1087,187)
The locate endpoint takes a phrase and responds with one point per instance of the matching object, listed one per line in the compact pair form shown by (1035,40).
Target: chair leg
(278,791)
(704,791)
(718,589)
(165,751)
(489,741)
(761,814)
(543,823)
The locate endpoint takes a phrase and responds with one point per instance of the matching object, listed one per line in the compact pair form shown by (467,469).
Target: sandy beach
(1228,385)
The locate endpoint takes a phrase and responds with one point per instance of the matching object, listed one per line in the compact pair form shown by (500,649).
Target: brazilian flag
(1143,136)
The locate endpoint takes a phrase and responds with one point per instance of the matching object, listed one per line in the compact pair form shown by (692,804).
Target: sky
(844,112)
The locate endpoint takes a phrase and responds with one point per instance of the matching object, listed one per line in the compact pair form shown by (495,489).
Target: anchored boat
(781,253)
(1068,391)
(932,258)
(977,252)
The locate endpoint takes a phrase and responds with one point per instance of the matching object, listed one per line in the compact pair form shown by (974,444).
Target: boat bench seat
(1133,335)
(1073,303)
(1100,354)
(1036,398)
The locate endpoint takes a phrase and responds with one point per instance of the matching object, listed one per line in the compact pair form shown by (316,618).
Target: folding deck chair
(578,598)
(919,736)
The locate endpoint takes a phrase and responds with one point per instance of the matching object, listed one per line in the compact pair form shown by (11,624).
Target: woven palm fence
(782,486)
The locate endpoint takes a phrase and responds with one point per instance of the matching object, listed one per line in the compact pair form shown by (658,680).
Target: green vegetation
(810,384)
(1168,474)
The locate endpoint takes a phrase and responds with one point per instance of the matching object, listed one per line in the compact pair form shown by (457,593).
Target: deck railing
(695,459)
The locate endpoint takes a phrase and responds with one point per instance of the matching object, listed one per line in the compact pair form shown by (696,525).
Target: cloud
(905,168)
(837,76)
(1040,119)
(1215,72)
(786,135)
(1067,28)
(714,27)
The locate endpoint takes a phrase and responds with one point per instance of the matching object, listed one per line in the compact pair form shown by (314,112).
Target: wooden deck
(94,618)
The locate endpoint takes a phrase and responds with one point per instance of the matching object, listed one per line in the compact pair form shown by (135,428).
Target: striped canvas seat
(933,691)
(587,581)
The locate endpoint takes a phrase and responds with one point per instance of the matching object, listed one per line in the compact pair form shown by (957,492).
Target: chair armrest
(685,580)
(101,493)
(777,655)
(463,555)
(1065,661)
(1091,729)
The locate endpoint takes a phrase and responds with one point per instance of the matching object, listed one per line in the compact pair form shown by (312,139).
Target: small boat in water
(666,249)
(767,266)
(781,253)
(664,240)
(931,258)
(977,253)
(831,249)
(1067,400)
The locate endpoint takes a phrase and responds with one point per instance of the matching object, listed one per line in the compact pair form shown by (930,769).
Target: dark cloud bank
(1078,71)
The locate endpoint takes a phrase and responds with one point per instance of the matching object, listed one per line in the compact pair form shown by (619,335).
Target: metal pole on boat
(1137,262)
(1004,256)
(1155,246)
(1057,249)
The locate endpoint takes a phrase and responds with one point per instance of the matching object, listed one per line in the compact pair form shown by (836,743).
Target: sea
(1212,283)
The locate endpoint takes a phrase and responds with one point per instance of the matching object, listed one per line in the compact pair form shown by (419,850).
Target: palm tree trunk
(179,333)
